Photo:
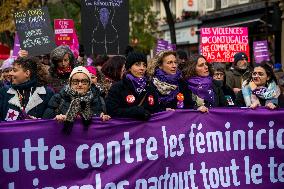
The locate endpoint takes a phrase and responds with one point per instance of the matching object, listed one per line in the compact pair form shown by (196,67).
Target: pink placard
(64,31)
(221,44)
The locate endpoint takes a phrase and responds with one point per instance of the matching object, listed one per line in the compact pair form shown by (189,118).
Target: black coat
(188,99)
(123,101)
(60,103)
(10,106)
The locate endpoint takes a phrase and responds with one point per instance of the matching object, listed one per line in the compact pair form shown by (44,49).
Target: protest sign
(221,44)
(260,51)
(34,30)
(105,26)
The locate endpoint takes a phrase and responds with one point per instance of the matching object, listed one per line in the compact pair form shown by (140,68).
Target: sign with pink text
(221,44)
(64,30)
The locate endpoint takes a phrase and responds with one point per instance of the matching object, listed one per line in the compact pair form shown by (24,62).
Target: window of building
(243,1)
(210,5)
(224,3)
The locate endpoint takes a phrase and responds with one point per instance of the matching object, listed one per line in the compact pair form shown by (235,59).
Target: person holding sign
(75,100)
(27,98)
(206,92)
(261,88)
(133,96)
(62,63)
(168,82)
(239,72)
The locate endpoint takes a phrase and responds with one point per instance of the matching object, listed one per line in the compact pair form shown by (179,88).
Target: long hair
(37,71)
(113,67)
(189,69)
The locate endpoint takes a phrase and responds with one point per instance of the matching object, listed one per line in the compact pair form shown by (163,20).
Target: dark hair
(269,71)
(112,68)
(218,67)
(182,54)
(32,64)
(189,69)
(101,60)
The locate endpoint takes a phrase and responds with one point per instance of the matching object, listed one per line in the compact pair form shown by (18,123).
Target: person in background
(168,83)
(239,72)
(100,60)
(28,96)
(206,93)
(219,76)
(182,58)
(6,69)
(260,89)
(62,63)
(133,96)
(75,100)
(113,71)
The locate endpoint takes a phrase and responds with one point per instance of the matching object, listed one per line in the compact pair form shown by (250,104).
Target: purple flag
(16,48)
(181,149)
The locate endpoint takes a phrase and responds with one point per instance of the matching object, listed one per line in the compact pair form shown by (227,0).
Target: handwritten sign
(221,44)
(35,32)
(260,51)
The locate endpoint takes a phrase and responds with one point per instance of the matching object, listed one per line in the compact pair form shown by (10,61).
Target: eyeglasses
(258,74)
(77,81)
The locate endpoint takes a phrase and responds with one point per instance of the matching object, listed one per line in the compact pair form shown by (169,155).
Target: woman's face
(259,76)
(219,76)
(80,83)
(7,74)
(169,64)
(138,69)
(19,75)
(202,68)
(65,63)
(94,79)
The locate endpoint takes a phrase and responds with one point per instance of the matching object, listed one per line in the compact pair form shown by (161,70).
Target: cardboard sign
(105,26)
(221,44)
(35,32)
(260,51)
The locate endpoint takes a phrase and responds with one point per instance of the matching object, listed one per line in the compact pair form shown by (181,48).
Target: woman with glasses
(260,89)
(76,100)
(168,82)
(206,93)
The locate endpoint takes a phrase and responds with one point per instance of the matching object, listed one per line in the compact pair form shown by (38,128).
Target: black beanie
(239,56)
(134,57)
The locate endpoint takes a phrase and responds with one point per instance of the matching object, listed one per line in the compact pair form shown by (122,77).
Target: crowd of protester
(59,86)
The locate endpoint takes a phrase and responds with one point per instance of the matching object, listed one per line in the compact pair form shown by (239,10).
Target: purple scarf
(139,84)
(202,87)
(168,78)
(171,79)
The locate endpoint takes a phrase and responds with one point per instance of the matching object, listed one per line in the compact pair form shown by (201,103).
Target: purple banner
(261,51)
(173,150)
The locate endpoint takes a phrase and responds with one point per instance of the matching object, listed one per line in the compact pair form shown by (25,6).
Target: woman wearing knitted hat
(168,82)
(75,100)
(27,98)
(206,92)
(133,96)
(6,69)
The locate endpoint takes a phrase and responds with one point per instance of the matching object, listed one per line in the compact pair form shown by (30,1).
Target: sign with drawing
(105,26)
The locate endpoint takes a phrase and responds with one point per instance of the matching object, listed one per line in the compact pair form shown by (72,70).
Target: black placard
(105,26)
(35,31)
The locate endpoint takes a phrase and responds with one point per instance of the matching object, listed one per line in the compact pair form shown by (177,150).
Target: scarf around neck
(202,87)
(167,85)
(79,104)
(139,84)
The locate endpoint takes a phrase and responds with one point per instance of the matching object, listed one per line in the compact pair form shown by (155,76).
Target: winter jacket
(35,105)
(123,101)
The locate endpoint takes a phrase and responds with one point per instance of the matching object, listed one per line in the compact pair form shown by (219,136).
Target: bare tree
(170,20)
